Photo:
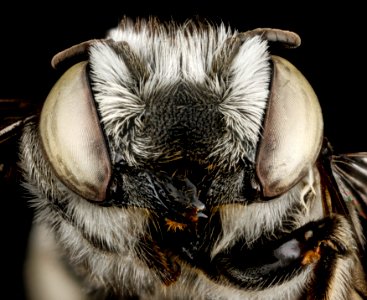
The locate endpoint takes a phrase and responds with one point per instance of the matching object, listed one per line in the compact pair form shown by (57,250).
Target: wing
(343,180)
(14,113)
(350,173)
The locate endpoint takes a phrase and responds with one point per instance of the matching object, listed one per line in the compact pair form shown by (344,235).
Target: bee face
(179,154)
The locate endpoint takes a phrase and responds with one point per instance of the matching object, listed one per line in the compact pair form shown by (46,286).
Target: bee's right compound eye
(292,133)
(72,137)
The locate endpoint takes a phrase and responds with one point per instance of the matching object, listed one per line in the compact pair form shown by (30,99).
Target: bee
(187,161)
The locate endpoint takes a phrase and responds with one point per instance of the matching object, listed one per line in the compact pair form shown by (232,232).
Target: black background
(332,57)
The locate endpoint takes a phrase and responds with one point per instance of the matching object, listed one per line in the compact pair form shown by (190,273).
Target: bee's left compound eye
(72,137)
(292,133)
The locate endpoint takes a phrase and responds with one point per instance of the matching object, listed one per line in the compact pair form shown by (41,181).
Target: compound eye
(72,136)
(292,132)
